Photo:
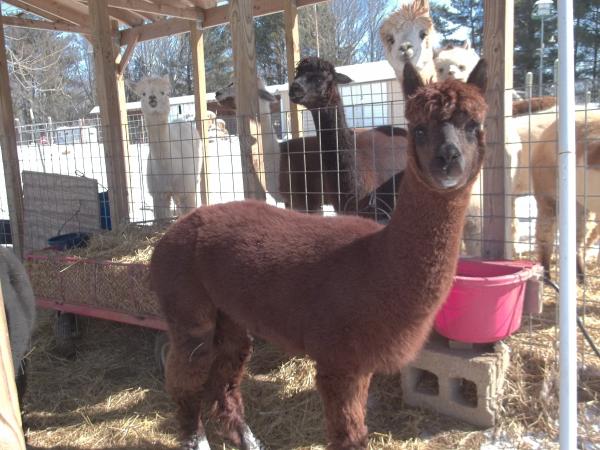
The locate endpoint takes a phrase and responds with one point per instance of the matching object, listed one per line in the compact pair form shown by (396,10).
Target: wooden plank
(127,17)
(197,45)
(111,107)
(292,49)
(155,8)
(74,12)
(249,130)
(32,9)
(10,156)
(44,25)
(212,18)
(11,430)
(498,51)
(126,56)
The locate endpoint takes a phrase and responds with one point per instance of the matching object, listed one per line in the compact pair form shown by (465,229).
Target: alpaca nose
(152,98)
(296,91)
(406,49)
(447,155)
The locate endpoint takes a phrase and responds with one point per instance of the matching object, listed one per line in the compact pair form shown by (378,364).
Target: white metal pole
(540,91)
(567,225)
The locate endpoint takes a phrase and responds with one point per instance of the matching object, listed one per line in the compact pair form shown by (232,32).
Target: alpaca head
(408,36)
(315,83)
(445,123)
(154,95)
(456,62)
(226,96)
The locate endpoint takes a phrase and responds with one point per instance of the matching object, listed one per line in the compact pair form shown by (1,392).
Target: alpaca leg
(188,364)
(162,205)
(185,202)
(344,399)
(472,236)
(233,347)
(545,226)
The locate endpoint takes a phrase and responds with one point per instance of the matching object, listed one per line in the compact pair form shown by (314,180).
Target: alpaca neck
(335,136)
(158,127)
(423,238)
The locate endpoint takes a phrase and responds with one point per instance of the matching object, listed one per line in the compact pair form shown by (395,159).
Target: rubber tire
(161,348)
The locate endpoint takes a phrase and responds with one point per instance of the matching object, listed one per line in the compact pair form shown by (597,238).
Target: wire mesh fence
(345,159)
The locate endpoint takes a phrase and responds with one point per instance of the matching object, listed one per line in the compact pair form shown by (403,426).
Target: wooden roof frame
(147,19)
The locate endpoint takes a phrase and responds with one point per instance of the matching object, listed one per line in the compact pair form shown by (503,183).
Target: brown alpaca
(353,162)
(544,175)
(353,295)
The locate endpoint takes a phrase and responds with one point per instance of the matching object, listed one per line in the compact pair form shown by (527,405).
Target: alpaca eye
(420,133)
(462,68)
(162,92)
(441,70)
(472,126)
(143,94)
(390,40)
(423,34)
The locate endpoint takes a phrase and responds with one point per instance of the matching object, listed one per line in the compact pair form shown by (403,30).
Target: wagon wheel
(66,331)
(161,348)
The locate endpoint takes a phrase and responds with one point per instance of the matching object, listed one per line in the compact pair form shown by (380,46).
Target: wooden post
(10,156)
(11,431)
(197,45)
(111,98)
(249,130)
(498,51)
(292,49)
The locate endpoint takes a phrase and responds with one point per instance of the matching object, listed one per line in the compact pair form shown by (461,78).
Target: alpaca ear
(266,95)
(340,78)
(478,76)
(467,44)
(423,3)
(411,80)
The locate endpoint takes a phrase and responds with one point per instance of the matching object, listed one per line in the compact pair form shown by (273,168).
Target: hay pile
(111,396)
(130,243)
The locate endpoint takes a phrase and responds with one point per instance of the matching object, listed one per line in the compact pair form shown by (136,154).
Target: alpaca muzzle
(296,92)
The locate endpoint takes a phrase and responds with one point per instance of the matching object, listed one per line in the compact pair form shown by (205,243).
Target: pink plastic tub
(486,301)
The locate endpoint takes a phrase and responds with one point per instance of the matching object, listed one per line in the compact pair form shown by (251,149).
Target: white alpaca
(175,151)
(271,151)
(19,305)
(456,62)
(408,35)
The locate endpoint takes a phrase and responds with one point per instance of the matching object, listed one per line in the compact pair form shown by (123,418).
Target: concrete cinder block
(469,381)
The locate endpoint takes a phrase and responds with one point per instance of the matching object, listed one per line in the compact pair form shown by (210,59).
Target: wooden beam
(126,57)
(32,9)
(205,4)
(10,156)
(212,18)
(155,8)
(249,130)
(498,51)
(76,15)
(44,25)
(11,430)
(197,45)
(127,17)
(292,49)
(111,106)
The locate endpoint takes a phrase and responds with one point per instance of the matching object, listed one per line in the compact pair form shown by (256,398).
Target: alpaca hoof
(249,441)
(196,443)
